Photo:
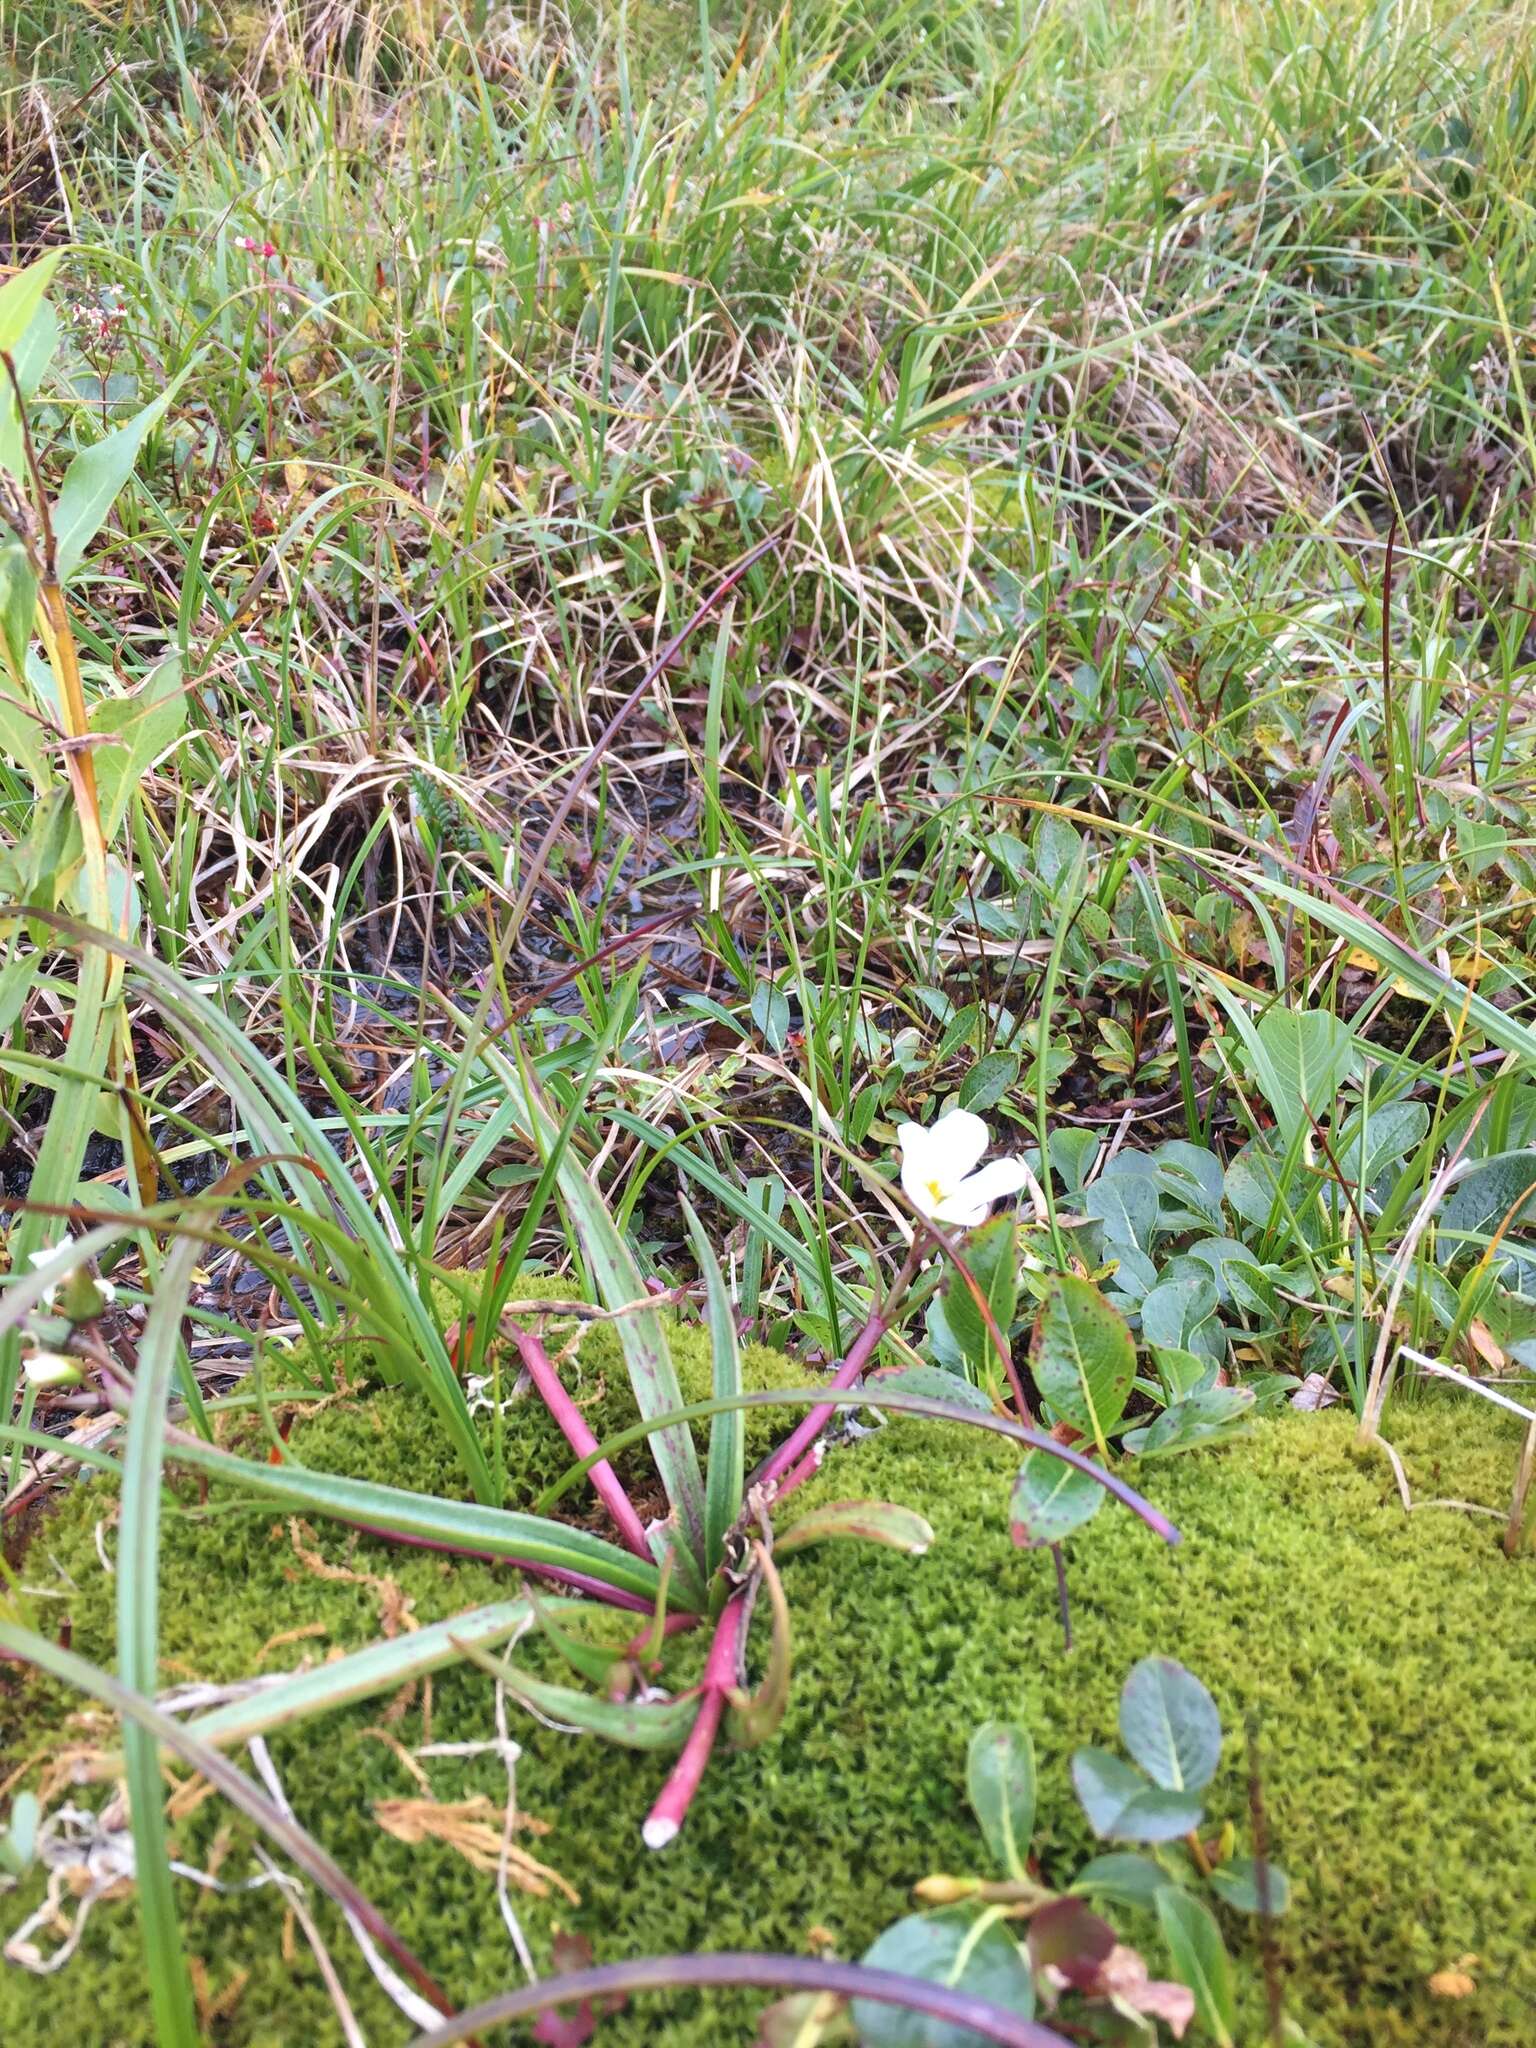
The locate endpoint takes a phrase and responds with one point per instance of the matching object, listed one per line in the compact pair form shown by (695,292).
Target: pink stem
(800,1439)
(581,1440)
(807,1468)
(720,1675)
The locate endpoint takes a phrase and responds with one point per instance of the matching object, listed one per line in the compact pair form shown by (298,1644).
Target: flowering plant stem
(782,1463)
(720,1678)
(573,1426)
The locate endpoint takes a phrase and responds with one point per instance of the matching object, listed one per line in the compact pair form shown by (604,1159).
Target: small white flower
(46,1257)
(51,1369)
(941,1171)
(102,1291)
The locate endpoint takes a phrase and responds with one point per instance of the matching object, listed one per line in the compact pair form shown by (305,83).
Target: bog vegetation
(722,733)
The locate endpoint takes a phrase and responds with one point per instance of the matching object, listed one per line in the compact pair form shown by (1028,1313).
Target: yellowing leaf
(1472,966)
(1485,1344)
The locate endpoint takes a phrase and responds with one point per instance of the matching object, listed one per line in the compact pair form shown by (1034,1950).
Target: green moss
(1388,1658)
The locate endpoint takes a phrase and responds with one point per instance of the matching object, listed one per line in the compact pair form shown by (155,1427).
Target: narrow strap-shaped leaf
(278,1122)
(725,1471)
(138,1624)
(866,1521)
(94,479)
(423,1517)
(883,1397)
(279,1827)
(634,1724)
(642,1337)
(381,1667)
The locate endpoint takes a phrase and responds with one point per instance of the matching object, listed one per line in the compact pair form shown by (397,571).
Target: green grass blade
(460,1525)
(726,1466)
(138,1624)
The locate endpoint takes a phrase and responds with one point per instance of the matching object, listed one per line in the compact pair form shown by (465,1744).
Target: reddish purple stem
(807,1468)
(801,1438)
(573,1426)
(720,1676)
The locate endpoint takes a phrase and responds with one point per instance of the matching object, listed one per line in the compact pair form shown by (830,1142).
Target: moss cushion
(1388,1658)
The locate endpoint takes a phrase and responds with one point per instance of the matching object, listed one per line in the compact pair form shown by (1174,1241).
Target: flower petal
(919,1166)
(968,1202)
(959,1138)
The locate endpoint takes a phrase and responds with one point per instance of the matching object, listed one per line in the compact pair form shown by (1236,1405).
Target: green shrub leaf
(1050,1500)
(94,479)
(1122,1807)
(1000,1783)
(1212,1412)
(1302,1061)
(991,1255)
(1122,1877)
(1199,1960)
(1169,1723)
(1236,1884)
(956,1949)
(1084,1357)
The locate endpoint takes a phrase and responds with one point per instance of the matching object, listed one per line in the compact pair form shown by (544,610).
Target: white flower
(51,1369)
(941,1173)
(89,1304)
(46,1257)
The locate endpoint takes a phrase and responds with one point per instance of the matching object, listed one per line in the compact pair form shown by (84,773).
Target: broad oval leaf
(1170,1724)
(1173,1310)
(934,1383)
(1000,1783)
(1192,1174)
(1199,1960)
(991,1256)
(1260,1189)
(868,1521)
(1050,1500)
(1237,1885)
(955,1948)
(20,297)
(1084,1357)
(1200,1417)
(1302,1059)
(30,357)
(1122,1877)
(1369,1144)
(1125,1205)
(989,1081)
(770,1013)
(1492,1189)
(140,727)
(1122,1807)
(18,1838)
